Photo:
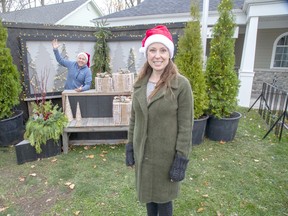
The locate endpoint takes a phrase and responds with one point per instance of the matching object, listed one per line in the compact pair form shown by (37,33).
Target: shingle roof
(157,7)
(48,14)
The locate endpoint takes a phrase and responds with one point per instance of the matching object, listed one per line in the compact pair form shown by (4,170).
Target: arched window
(280,52)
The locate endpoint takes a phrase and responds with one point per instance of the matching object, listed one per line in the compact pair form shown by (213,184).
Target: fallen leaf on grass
(77,213)
(102,155)
(90,156)
(67,183)
(72,186)
(21,179)
(200,210)
(3,209)
(222,142)
(219,213)
(104,152)
(54,160)
(48,200)
(256,160)
(205,195)
(33,174)
(94,166)
(104,159)
(86,147)
(33,166)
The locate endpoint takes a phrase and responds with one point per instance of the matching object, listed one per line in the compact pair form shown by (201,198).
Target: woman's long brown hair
(169,73)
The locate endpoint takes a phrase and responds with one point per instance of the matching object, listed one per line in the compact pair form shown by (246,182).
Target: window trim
(274,51)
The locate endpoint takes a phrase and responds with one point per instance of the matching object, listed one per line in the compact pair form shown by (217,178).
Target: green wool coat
(158,130)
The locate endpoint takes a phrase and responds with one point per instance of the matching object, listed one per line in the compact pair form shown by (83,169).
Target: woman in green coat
(160,130)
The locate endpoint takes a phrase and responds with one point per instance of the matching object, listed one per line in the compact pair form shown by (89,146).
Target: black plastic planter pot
(199,129)
(27,153)
(12,129)
(223,129)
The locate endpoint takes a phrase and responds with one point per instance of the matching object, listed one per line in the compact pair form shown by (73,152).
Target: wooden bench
(92,125)
(97,116)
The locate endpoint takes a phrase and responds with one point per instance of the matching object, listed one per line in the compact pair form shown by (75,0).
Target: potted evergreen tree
(11,120)
(222,80)
(190,63)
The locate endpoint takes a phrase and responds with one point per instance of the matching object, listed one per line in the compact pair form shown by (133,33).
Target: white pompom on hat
(159,34)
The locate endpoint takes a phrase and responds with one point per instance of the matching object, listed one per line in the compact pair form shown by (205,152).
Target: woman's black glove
(129,154)
(177,171)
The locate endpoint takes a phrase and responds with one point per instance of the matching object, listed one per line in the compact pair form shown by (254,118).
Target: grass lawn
(248,176)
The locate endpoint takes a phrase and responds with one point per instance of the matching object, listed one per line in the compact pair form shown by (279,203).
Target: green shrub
(10,84)
(222,80)
(190,63)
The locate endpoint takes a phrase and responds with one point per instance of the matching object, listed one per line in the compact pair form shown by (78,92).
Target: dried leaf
(219,213)
(3,209)
(86,147)
(77,213)
(54,160)
(104,152)
(48,200)
(94,166)
(104,159)
(205,195)
(33,174)
(68,183)
(102,155)
(33,166)
(256,160)
(222,142)
(200,210)
(90,156)
(21,178)
(72,186)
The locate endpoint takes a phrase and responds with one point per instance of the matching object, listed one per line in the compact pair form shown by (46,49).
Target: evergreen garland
(10,84)
(190,63)
(101,57)
(222,80)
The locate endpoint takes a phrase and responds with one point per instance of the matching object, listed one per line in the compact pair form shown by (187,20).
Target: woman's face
(158,56)
(81,60)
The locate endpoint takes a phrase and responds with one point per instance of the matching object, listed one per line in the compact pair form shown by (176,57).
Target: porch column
(246,71)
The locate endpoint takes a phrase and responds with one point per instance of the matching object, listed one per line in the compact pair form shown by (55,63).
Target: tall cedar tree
(190,63)
(222,80)
(10,86)
(101,58)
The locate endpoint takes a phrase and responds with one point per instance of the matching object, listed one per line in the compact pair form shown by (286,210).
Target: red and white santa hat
(87,57)
(159,34)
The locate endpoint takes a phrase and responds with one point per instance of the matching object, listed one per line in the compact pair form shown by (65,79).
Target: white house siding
(264,46)
(80,17)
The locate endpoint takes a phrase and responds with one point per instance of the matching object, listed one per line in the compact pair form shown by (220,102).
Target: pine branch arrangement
(101,57)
